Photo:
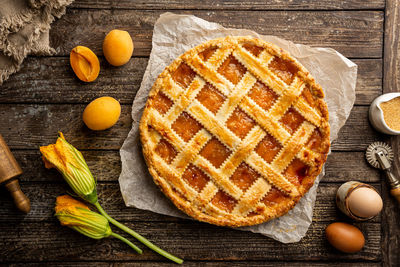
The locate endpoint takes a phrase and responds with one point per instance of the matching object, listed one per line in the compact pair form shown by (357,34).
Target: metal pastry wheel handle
(380,155)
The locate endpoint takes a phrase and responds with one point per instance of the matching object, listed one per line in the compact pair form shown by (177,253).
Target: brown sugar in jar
(391,113)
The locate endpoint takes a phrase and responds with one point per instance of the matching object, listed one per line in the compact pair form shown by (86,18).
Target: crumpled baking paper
(173,35)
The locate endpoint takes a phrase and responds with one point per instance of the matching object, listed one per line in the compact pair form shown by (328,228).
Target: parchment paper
(173,35)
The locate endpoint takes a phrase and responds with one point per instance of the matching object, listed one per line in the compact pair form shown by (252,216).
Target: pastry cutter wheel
(380,155)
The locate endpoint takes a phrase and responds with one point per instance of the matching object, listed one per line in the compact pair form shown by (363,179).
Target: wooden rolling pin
(9,171)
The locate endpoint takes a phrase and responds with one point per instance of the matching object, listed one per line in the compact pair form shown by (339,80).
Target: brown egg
(365,202)
(345,237)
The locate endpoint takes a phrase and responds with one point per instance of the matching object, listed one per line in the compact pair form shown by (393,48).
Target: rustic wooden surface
(391,83)
(45,97)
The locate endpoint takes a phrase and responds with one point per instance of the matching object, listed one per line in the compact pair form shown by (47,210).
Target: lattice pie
(235,131)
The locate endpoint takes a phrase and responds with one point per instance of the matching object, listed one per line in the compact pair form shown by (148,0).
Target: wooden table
(46,97)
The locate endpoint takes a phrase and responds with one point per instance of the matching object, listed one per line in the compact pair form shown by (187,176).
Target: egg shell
(365,202)
(102,113)
(345,237)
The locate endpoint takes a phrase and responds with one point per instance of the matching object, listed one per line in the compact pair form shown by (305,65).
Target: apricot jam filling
(255,50)
(185,126)
(292,120)
(268,148)
(274,196)
(211,98)
(165,150)
(307,95)
(296,171)
(314,143)
(224,201)
(162,103)
(183,75)
(252,214)
(244,176)
(215,152)
(240,123)
(195,177)
(232,69)
(263,95)
(207,53)
(285,69)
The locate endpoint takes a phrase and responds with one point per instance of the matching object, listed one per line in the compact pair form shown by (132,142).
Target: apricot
(102,113)
(84,63)
(118,47)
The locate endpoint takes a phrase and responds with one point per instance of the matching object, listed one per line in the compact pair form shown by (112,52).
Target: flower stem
(138,236)
(138,250)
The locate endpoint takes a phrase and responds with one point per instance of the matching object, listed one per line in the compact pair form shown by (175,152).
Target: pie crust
(235,131)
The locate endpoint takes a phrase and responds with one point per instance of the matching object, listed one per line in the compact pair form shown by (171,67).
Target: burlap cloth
(24,30)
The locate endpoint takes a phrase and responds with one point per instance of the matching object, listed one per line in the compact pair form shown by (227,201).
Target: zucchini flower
(70,162)
(78,216)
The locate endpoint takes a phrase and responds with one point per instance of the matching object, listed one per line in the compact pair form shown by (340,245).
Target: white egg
(365,202)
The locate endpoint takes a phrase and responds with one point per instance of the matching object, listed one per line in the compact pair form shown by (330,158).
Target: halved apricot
(84,63)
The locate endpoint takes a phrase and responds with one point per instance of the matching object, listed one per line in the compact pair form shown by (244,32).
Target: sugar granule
(391,113)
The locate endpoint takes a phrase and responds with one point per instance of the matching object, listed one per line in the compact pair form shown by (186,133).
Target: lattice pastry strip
(221,177)
(184,99)
(243,151)
(267,76)
(252,196)
(218,177)
(212,124)
(240,91)
(293,146)
(257,68)
(237,130)
(170,88)
(286,99)
(261,117)
(209,74)
(205,196)
(308,112)
(183,158)
(270,174)
(162,126)
(170,177)
(218,57)
(305,154)
(265,58)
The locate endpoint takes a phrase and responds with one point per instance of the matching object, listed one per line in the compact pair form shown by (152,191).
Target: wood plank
(48,241)
(205,263)
(357,133)
(51,80)
(231,4)
(353,33)
(346,166)
(43,195)
(369,80)
(34,125)
(37,125)
(391,83)
(106,167)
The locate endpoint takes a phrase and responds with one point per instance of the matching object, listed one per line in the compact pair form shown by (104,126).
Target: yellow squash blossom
(76,215)
(70,162)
